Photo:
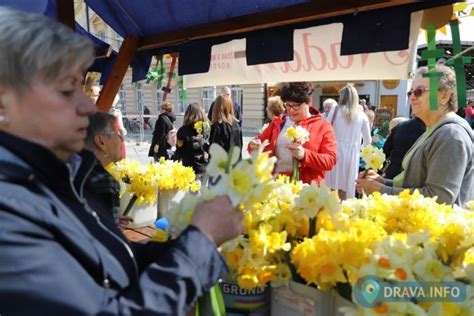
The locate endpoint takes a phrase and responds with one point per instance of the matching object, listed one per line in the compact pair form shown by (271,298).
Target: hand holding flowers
(298,136)
(203,129)
(369,181)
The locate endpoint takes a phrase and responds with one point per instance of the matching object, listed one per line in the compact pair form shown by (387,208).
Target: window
(237,96)
(139,96)
(159,98)
(123,98)
(208,96)
(237,93)
(181,103)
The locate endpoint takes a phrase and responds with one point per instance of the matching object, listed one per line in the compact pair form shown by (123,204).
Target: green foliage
(384,130)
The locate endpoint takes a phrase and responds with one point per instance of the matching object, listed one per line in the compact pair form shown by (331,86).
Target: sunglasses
(417,92)
(293,106)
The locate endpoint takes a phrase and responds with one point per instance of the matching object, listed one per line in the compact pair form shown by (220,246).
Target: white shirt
(285,158)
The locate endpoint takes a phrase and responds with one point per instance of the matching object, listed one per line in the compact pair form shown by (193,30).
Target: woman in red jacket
(318,155)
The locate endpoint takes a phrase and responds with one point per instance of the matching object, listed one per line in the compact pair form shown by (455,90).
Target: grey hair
(99,123)
(33,45)
(447,82)
(329,102)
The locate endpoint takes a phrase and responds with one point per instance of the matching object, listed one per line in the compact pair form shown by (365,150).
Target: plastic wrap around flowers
(143,181)
(396,238)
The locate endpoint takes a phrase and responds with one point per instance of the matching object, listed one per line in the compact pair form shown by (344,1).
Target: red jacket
(320,150)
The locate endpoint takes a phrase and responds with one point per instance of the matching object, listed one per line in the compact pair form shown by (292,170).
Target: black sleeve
(209,114)
(181,138)
(237,113)
(158,132)
(388,145)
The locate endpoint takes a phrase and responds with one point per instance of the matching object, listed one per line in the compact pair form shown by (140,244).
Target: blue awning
(389,28)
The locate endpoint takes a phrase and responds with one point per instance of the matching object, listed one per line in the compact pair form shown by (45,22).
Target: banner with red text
(316,58)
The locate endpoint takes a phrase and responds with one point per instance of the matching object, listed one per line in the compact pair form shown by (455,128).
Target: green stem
(365,173)
(211,303)
(295,177)
(312,227)
(130,205)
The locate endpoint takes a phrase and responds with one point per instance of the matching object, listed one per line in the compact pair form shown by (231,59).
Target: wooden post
(112,86)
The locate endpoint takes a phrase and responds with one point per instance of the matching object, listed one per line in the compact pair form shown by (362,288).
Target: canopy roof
(192,27)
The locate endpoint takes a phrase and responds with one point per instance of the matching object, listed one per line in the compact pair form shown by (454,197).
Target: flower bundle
(272,227)
(396,238)
(373,157)
(203,128)
(143,181)
(298,135)
(245,182)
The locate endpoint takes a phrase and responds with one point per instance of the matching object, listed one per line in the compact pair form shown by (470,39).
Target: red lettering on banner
(309,60)
(335,56)
(363,58)
(402,55)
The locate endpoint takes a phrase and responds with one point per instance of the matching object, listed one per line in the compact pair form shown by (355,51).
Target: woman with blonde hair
(225,129)
(275,107)
(350,125)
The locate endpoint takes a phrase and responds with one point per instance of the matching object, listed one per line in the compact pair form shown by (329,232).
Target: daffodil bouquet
(373,158)
(298,135)
(395,238)
(203,128)
(143,181)
(273,226)
(245,182)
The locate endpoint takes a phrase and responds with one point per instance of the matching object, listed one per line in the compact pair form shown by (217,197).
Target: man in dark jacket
(401,138)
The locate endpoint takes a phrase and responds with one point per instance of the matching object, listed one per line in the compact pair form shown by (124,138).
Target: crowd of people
(59,206)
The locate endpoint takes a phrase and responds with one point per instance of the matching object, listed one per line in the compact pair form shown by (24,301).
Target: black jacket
(191,149)
(60,256)
(399,142)
(163,125)
(226,135)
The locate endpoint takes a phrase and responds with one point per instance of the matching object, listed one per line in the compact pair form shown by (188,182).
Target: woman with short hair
(164,124)
(275,107)
(58,254)
(316,156)
(440,162)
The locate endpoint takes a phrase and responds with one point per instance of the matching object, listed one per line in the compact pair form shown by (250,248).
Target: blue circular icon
(367,291)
